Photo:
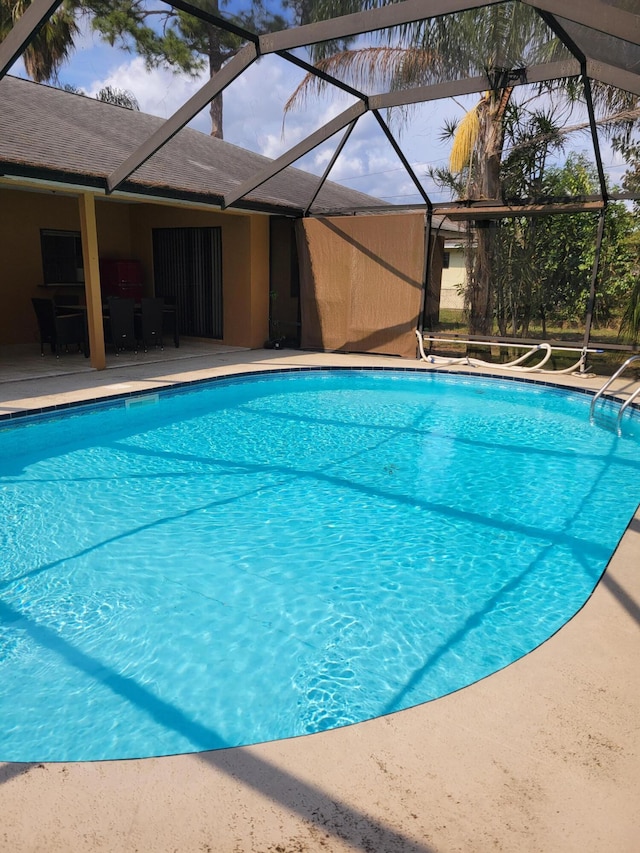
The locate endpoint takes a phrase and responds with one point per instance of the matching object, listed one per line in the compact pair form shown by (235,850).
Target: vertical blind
(187,269)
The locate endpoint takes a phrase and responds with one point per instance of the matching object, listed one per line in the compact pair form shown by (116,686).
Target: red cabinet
(121,278)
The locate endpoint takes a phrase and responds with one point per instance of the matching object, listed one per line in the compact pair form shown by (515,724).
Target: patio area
(541,756)
(23,362)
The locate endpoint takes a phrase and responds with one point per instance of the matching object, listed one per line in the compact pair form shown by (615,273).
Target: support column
(93,296)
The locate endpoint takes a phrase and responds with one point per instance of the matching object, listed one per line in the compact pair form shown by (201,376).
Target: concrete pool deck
(541,756)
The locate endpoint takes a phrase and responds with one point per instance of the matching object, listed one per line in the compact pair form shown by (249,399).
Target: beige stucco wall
(22,216)
(114,229)
(259,284)
(125,231)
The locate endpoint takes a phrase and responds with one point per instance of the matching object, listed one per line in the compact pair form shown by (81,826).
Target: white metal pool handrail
(516,364)
(607,385)
(626,403)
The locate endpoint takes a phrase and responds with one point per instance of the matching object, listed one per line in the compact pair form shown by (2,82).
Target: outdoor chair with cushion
(150,319)
(120,324)
(60,327)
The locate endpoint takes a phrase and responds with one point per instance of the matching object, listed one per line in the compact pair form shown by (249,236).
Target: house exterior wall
(245,263)
(22,215)
(125,231)
(453,279)
(114,229)
(258,284)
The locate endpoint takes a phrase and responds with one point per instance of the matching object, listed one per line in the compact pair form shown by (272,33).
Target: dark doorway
(284,282)
(187,270)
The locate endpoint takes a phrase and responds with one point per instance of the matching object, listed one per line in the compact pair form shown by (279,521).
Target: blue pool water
(268,557)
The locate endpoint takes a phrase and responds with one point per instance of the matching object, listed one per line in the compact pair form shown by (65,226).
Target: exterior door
(187,270)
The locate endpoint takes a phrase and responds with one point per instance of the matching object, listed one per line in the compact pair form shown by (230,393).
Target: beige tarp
(361,282)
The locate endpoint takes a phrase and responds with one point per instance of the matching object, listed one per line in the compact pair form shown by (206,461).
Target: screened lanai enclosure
(502,209)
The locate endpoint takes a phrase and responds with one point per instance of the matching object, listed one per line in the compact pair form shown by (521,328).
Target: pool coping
(542,755)
(212,380)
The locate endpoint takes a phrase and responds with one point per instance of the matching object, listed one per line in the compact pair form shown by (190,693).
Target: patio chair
(60,328)
(66,299)
(149,329)
(170,324)
(120,324)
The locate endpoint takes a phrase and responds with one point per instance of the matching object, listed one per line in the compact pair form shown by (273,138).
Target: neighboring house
(454,276)
(58,224)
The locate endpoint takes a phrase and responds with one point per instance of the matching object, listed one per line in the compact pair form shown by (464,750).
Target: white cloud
(254,109)
(159,92)
(253,103)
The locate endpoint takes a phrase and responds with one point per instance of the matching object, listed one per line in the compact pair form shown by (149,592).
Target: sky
(253,119)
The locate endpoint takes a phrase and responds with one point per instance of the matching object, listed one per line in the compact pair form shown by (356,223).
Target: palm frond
(449,129)
(415,66)
(557,133)
(386,68)
(51,45)
(507,36)
(445,180)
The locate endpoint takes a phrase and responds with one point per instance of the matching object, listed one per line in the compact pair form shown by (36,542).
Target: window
(61,257)
(446,258)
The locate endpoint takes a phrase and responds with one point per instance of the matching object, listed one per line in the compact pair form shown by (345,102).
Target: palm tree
(53,43)
(493,41)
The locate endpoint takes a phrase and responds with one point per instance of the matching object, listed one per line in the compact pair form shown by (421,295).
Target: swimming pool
(278,555)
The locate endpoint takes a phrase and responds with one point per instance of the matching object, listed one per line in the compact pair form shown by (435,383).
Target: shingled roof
(60,136)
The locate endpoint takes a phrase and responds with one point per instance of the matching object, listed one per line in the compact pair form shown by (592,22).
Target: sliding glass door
(187,269)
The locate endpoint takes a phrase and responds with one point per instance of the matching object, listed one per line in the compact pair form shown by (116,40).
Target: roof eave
(76,181)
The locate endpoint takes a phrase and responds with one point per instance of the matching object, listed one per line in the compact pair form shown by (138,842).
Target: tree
(109,95)
(495,41)
(630,321)
(118,97)
(517,281)
(53,43)
(166,36)
(630,150)
(544,264)
(163,36)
